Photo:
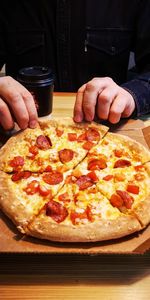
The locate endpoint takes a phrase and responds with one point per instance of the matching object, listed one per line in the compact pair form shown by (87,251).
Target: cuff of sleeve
(140,92)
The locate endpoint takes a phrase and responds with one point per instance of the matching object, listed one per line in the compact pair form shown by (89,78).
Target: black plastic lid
(35,73)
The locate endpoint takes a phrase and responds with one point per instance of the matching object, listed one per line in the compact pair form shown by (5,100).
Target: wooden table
(63,277)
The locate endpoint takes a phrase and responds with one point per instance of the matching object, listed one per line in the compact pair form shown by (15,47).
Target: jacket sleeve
(140,86)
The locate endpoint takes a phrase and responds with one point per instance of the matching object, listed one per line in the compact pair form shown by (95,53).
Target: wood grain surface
(74,277)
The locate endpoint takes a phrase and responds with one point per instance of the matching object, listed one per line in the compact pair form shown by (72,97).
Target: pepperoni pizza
(75,182)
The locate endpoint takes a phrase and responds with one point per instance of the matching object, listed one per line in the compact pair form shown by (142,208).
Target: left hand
(103,97)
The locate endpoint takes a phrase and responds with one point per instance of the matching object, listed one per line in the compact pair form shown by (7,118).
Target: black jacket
(79,40)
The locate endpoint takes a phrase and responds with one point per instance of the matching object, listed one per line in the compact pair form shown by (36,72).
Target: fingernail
(33,124)
(77,118)
(89,118)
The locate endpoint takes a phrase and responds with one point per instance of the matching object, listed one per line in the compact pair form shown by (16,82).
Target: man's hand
(103,97)
(16,104)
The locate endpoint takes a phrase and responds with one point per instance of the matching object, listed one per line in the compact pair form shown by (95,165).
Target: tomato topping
(127,199)
(32,187)
(53,178)
(66,155)
(59,132)
(139,168)
(44,191)
(34,149)
(77,217)
(139,177)
(64,197)
(87,145)
(108,177)
(118,152)
(84,182)
(17,161)
(116,200)
(97,164)
(70,179)
(43,142)
(40,161)
(132,188)
(93,176)
(119,177)
(56,211)
(81,137)
(72,137)
(48,169)
(121,163)
(89,214)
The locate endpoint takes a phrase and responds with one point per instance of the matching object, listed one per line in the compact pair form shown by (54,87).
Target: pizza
(72,182)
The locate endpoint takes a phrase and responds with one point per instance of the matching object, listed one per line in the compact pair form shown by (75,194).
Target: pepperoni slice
(32,187)
(19,175)
(84,182)
(56,211)
(17,161)
(127,199)
(43,142)
(132,188)
(92,135)
(66,155)
(116,200)
(53,178)
(87,145)
(122,163)
(97,164)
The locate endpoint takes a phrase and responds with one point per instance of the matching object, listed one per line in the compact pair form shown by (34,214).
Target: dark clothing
(79,40)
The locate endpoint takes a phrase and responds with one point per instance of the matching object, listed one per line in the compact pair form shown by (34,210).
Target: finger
(29,102)
(117,108)
(78,112)
(31,108)
(5,117)
(104,102)
(20,101)
(90,99)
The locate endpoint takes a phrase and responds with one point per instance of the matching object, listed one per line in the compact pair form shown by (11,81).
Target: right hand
(16,105)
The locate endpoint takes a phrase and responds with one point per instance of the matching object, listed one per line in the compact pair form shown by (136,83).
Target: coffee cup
(39,80)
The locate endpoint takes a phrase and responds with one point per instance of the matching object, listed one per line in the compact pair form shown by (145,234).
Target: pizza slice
(23,152)
(71,141)
(23,194)
(80,213)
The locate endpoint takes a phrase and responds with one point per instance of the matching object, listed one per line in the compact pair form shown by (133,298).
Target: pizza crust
(42,227)
(68,122)
(131,144)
